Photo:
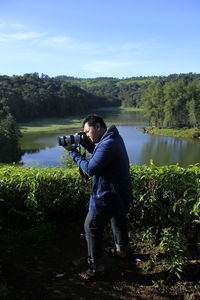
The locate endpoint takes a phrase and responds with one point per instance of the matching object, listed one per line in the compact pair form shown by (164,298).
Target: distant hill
(127,90)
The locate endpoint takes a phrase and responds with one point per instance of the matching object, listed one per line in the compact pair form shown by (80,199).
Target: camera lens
(69,140)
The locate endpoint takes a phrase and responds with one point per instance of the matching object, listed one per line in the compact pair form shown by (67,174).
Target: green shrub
(33,195)
(163,197)
(166,196)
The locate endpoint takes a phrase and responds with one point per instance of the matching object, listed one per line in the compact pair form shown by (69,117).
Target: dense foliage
(9,135)
(29,196)
(126,92)
(31,96)
(172,100)
(173,103)
(163,197)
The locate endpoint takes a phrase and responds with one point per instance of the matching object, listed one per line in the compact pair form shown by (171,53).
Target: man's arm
(99,160)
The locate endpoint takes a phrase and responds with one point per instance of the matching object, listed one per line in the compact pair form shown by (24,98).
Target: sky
(99,38)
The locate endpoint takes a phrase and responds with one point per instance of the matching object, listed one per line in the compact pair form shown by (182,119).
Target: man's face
(94,133)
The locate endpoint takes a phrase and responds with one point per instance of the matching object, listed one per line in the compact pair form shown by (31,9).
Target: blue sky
(93,38)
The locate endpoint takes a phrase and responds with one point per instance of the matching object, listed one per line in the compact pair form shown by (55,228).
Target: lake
(41,149)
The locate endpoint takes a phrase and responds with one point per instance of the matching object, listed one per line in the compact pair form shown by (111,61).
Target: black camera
(72,139)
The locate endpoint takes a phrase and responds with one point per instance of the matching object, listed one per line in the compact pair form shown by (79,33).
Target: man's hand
(87,144)
(68,147)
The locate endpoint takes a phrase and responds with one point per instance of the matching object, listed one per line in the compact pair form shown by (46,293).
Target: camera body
(72,139)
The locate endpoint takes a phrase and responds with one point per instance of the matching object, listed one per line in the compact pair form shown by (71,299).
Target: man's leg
(120,234)
(94,228)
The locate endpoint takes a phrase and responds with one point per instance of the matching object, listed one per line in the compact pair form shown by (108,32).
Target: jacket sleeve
(99,160)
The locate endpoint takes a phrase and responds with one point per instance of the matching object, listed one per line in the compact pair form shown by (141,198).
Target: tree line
(126,91)
(173,103)
(32,96)
(172,100)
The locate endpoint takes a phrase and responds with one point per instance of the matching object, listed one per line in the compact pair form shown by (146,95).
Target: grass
(179,133)
(123,108)
(119,108)
(50,124)
(57,124)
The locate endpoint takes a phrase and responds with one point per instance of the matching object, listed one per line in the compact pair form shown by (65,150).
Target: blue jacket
(109,166)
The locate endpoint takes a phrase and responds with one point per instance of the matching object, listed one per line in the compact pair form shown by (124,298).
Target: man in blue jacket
(111,191)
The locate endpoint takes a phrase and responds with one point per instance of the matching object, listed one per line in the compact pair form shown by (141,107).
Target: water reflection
(161,150)
(167,150)
(44,157)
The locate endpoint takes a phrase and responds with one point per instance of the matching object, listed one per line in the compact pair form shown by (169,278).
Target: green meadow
(50,124)
(174,132)
(57,124)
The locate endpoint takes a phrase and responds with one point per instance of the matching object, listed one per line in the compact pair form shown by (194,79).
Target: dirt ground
(49,271)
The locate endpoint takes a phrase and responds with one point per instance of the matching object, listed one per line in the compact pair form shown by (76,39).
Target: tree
(176,113)
(153,103)
(191,112)
(193,105)
(9,140)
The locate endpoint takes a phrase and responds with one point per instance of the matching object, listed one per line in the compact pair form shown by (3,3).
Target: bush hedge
(29,196)
(166,196)
(163,197)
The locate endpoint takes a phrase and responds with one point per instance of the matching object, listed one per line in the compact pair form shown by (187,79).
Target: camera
(72,139)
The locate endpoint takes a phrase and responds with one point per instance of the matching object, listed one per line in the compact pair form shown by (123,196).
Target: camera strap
(84,176)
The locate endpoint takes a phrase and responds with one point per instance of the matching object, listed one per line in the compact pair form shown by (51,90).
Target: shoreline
(191,133)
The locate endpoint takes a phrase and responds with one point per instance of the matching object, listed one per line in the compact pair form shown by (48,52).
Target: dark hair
(92,120)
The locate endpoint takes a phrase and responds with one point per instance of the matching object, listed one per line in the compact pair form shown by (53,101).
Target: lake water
(41,149)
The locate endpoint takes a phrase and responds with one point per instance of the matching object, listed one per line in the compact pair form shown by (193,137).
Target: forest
(172,100)
(31,96)
(173,103)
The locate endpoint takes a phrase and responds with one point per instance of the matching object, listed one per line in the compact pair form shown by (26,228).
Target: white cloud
(63,43)
(18,26)
(12,26)
(140,48)
(53,41)
(35,46)
(59,39)
(12,32)
(10,37)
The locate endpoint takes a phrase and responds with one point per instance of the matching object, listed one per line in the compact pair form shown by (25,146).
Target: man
(111,191)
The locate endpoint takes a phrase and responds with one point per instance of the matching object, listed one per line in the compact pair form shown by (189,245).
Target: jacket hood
(110,132)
